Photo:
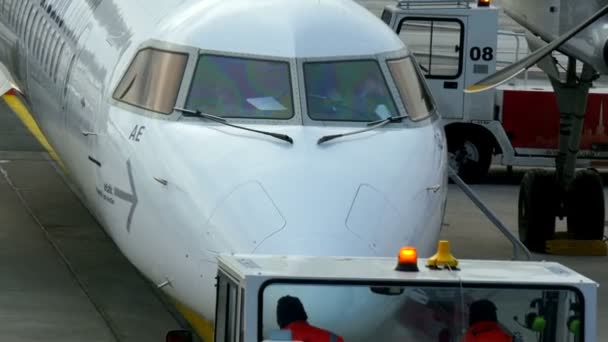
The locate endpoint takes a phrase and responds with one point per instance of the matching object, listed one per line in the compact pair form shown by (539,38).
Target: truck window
(226,315)
(386,17)
(394,312)
(436,43)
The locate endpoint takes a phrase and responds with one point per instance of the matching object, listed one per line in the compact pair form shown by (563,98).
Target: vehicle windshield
(362,313)
(234,87)
(347,91)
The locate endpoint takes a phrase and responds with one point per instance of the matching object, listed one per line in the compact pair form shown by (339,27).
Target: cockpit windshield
(409,81)
(347,91)
(392,312)
(234,87)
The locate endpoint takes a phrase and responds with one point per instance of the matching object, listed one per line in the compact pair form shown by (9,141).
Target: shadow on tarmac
(500,175)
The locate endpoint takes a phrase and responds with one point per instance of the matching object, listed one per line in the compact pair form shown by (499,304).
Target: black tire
(470,155)
(538,205)
(585,206)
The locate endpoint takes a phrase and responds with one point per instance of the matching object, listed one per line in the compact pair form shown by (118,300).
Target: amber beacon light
(407,260)
(483,3)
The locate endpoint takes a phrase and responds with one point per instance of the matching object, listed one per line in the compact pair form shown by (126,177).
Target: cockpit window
(234,87)
(153,80)
(347,91)
(414,94)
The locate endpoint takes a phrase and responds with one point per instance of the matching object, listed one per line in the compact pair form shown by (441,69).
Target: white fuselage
(174,192)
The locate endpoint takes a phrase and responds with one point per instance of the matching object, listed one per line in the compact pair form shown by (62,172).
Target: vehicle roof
(410,6)
(295,28)
(383,269)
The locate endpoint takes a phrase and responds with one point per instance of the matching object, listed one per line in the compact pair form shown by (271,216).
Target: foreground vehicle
(370,299)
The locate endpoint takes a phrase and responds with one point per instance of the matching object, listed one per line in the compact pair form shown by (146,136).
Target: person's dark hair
(482,310)
(290,309)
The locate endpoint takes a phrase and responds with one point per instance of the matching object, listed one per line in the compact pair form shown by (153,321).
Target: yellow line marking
(203,327)
(28,120)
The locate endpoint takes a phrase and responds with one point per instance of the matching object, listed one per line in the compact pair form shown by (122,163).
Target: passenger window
(38,37)
(26,18)
(53,57)
(20,16)
(58,61)
(437,45)
(234,87)
(44,37)
(13,11)
(33,30)
(29,26)
(50,40)
(153,79)
(414,94)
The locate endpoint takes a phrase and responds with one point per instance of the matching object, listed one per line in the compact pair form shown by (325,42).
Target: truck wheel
(538,204)
(585,206)
(470,156)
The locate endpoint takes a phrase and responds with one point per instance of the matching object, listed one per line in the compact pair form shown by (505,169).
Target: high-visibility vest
(486,331)
(302,331)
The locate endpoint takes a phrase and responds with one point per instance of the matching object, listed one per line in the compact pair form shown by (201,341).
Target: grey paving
(13,135)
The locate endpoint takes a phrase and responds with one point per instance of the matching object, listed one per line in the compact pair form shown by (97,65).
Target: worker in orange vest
(291,316)
(483,324)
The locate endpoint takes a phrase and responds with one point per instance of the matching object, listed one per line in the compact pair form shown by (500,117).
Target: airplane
(193,128)
(578,29)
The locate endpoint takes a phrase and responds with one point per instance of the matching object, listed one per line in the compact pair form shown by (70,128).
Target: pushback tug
(378,299)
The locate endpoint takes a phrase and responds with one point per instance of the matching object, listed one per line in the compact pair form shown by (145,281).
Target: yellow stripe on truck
(24,115)
(203,327)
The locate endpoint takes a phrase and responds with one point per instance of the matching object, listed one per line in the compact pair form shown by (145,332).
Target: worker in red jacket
(292,316)
(483,324)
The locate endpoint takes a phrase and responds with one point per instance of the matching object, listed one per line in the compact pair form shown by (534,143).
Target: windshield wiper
(198,113)
(387,120)
(370,127)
